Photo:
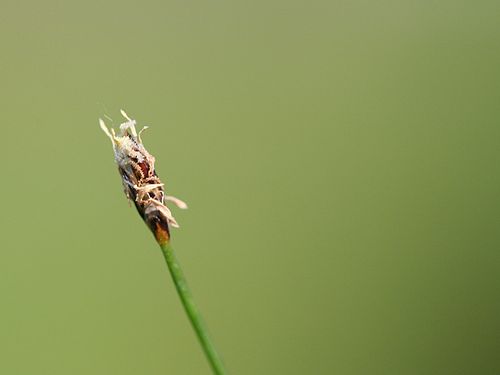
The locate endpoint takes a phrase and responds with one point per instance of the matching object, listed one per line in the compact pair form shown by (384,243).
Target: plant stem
(191,310)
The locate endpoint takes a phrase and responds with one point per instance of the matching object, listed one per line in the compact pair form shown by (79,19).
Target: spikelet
(140,181)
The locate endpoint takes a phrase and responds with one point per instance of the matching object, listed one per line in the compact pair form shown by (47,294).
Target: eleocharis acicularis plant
(143,187)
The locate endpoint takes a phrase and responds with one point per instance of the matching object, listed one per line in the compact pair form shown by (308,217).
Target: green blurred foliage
(340,160)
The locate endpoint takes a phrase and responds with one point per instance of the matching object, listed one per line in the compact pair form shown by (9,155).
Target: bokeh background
(340,160)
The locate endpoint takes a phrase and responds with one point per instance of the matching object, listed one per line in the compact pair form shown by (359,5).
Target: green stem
(191,310)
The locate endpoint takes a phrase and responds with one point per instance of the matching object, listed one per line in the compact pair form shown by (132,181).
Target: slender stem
(191,310)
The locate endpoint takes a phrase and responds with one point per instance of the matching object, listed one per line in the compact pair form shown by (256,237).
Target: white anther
(179,203)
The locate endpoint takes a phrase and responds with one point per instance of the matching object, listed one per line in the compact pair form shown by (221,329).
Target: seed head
(140,181)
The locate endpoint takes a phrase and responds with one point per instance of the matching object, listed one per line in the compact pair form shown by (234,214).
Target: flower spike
(140,181)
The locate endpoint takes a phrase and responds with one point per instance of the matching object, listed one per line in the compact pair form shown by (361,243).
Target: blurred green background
(340,160)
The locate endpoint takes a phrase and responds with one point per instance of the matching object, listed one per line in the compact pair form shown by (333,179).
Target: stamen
(129,125)
(124,114)
(105,129)
(176,201)
(140,132)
